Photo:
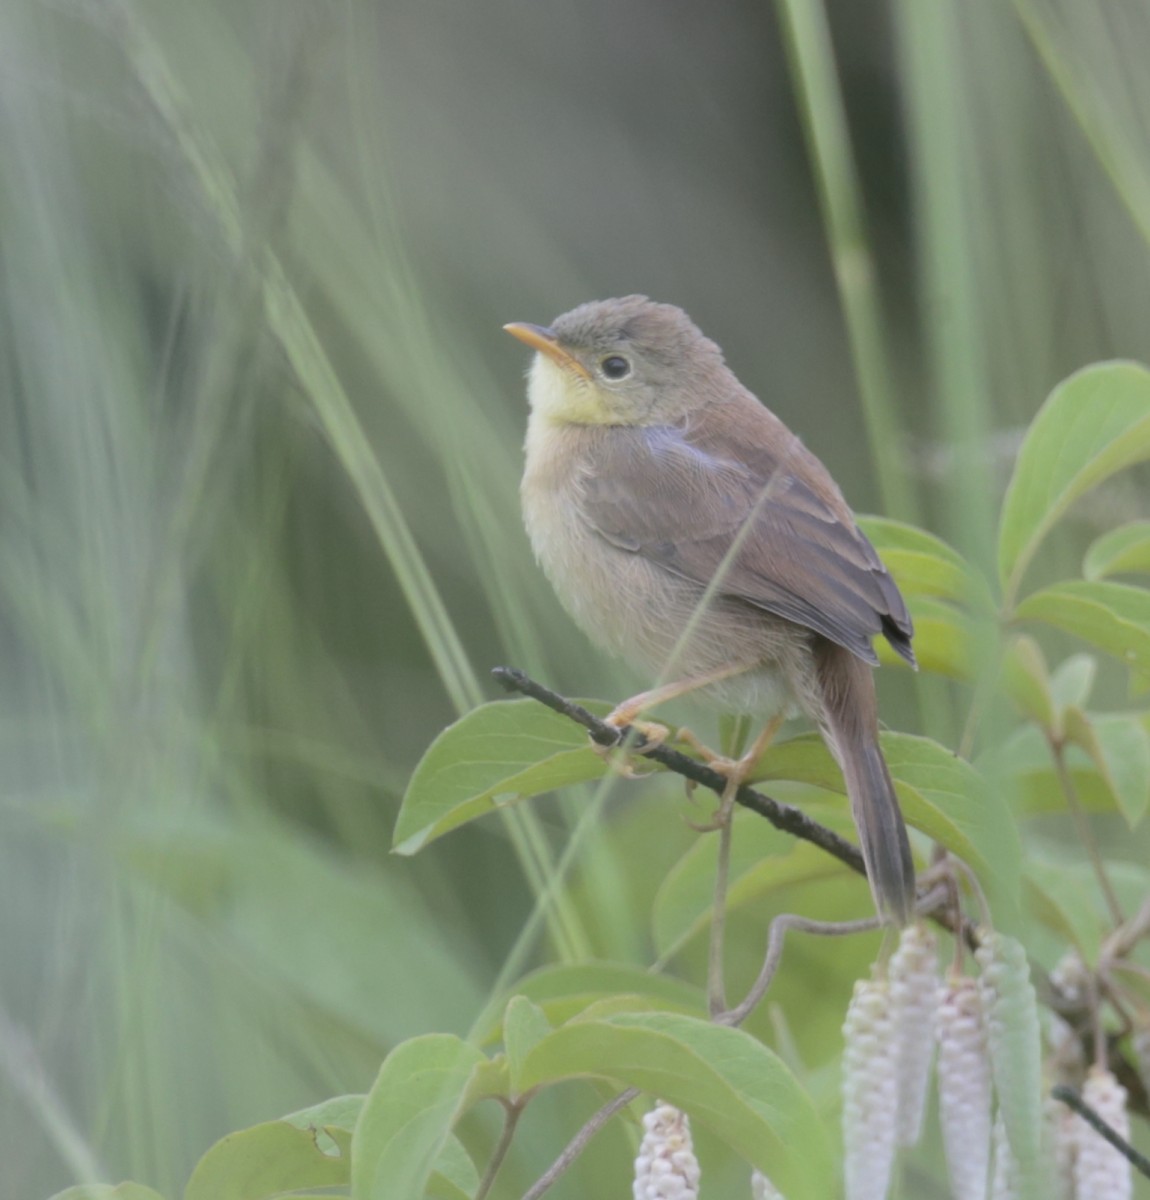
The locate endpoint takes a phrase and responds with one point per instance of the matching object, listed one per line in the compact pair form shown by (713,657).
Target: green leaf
(525,1025)
(1119,745)
(1065,901)
(498,753)
(946,798)
(1092,425)
(1072,681)
(924,565)
(1112,616)
(263,1162)
(332,1121)
(455,1176)
(107,1191)
(723,1078)
(411,1109)
(1027,681)
(1023,765)
(564,991)
(763,860)
(941,794)
(1122,551)
(340,1112)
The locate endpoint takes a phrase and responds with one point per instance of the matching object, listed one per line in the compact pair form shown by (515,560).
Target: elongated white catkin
(1100,1172)
(762,1188)
(914,988)
(870,1093)
(1010,1009)
(666,1167)
(1061,1146)
(1004,1185)
(964,1088)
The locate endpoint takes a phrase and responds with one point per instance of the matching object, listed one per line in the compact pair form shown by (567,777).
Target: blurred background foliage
(259,454)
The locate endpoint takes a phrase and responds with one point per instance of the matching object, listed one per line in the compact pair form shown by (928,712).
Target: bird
(688,531)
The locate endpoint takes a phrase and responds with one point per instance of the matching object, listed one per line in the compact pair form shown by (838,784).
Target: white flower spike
(870,1091)
(964,1088)
(666,1167)
(1100,1172)
(914,989)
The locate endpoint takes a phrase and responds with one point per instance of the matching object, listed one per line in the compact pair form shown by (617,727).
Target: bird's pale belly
(653,620)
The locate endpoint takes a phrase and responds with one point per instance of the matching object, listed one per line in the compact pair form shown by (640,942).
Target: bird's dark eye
(615,366)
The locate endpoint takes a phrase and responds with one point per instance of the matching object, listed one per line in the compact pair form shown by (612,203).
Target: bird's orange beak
(542,339)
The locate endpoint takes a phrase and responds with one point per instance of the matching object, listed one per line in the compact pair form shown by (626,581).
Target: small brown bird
(687,529)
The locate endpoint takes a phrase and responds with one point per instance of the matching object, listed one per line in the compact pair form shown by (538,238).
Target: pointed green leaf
(1066,901)
(723,1078)
(496,754)
(947,798)
(564,991)
(263,1162)
(1112,616)
(1122,551)
(455,1176)
(941,794)
(924,565)
(525,1025)
(339,1112)
(1121,749)
(1091,426)
(1025,767)
(1027,681)
(410,1111)
(1072,680)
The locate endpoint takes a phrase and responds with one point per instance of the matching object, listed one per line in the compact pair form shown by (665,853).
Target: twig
(781,816)
(776,934)
(577,1144)
(782,925)
(716,983)
(1073,1100)
(1085,833)
(511,1115)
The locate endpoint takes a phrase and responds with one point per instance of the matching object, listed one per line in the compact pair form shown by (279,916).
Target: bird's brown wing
(683,496)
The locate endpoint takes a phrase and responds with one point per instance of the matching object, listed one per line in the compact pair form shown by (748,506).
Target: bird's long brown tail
(850,722)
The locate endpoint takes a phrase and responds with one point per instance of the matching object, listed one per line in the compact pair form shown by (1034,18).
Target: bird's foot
(722,813)
(736,771)
(647,735)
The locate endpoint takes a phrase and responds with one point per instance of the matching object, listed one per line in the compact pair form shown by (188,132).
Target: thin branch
(1073,1100)
(578,1143)
(511,1115)
(716,984)
(776,934)
(781,816)
(1085,833)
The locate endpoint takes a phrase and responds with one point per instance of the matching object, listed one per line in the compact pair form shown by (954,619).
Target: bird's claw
(648,736)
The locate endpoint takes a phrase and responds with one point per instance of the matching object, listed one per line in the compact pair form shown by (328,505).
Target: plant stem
(578,1143)
(511,1115)
(1082,825)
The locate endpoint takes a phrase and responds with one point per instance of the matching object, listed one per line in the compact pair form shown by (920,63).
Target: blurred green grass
(259,455)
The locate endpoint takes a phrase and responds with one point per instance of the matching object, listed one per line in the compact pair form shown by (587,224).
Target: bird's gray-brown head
(627,361)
